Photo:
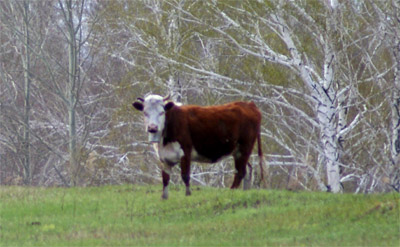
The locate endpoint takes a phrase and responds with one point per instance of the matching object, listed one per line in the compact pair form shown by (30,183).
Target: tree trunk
(330,146)
(72,72)
(326,109)
(395,152)
(27,84)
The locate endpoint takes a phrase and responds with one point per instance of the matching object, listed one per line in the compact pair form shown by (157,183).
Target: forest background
(325,74)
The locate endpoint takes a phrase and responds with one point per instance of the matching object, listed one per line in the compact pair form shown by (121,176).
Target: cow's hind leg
(241,159)
(248,177)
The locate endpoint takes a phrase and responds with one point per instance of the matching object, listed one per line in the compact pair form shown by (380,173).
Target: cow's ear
(169,105)
(138,105)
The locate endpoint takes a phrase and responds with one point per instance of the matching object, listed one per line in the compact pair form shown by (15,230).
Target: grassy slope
(135,215)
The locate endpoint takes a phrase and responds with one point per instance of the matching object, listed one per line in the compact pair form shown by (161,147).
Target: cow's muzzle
(152,128)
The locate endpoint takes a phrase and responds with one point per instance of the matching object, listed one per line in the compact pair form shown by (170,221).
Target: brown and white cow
(203,134)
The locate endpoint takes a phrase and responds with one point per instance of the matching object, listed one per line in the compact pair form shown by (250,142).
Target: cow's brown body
(208,134)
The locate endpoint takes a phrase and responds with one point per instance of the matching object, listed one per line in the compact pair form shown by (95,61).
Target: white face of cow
(153,107)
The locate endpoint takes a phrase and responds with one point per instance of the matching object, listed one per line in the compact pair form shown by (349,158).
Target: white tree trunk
(395,150)
(72,89)
(323,92)
(27,84)
(327,108)
(329,142)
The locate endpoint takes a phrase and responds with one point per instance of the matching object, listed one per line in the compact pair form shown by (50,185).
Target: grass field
(136,216)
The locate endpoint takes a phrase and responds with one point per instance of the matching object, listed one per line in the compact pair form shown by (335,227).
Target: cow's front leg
(185,173)
(166,171)
(165,179)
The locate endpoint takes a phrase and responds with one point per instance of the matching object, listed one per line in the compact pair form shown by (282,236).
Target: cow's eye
(161,113)
(146,114)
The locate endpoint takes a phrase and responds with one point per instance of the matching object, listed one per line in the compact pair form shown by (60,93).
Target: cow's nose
(152,128)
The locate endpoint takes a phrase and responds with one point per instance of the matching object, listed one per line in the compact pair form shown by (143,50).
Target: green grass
(136,216)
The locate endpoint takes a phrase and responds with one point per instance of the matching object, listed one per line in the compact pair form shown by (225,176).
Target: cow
(185,133)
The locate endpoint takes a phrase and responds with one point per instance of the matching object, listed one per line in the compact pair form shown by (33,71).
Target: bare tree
(317,75)
(387,32)
(325,75)
(17,19)
(72,32)
(27,86)
(317,53)
(57,29)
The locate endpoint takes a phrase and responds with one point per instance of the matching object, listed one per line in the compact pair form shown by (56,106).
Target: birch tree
(267,33)
(387,33)
(60,120)
(248,19)
(324,74)
(392,37)
(290,36)
(77,20)
(72,32)
(17,19)
(27,86)
(395,147)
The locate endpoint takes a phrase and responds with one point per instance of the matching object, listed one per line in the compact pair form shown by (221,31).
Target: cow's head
(154,108)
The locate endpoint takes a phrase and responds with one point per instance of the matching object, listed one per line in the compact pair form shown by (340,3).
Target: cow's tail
(260,156)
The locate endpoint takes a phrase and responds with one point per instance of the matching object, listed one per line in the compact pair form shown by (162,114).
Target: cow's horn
(167,97)
(140,99)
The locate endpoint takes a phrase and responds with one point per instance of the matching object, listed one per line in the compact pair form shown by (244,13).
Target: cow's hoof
(188,192)
(164,195)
